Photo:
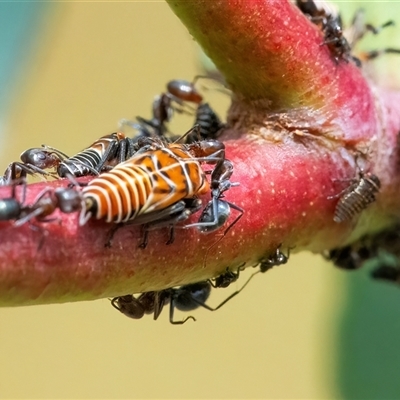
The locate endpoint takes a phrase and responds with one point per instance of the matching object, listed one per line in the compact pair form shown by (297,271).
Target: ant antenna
(222,89)
(195,128)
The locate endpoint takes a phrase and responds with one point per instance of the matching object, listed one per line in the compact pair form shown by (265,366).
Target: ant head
(375,180)
(128,306)
(40,158)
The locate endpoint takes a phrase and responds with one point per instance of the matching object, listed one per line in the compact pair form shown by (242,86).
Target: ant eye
(40,156)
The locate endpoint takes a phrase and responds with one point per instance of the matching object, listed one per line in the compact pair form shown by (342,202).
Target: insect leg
(111,233)
(110,152)
(370,55)
(230,297)
(171,315)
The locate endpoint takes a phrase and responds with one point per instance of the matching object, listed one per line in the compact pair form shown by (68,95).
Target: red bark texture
(298,121)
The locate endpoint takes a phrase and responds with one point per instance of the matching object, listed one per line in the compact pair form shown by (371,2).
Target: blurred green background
(69,72)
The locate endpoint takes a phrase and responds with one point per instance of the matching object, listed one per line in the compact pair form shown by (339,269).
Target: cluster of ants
(340,41)
(155,179)
(383,248)
(380,251)
(353,200)
(164,178)
(190,297)
(148,180)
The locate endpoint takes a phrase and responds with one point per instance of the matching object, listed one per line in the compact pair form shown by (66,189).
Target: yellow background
(94,64)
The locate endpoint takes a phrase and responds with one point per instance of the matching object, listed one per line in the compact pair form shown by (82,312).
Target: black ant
(226,278)
(178,94)
(350,257)
(18,171)
(11,208)
(217,211)
(104,153)
(176,98)
(183,298)
(387,273)
(209,123)
(189,297)
(330,22)
(67,200)
(276,259)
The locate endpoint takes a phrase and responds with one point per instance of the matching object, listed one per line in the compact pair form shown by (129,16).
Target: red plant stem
(273,56)
(73,260)
(297,121)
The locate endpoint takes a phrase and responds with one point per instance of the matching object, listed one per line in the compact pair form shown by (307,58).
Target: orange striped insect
(156,186)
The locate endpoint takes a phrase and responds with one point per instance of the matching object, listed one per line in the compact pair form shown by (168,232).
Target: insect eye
(40,156)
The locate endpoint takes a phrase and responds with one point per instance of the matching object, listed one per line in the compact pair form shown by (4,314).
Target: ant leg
(145,237)
(109,153)
(43,234)
(195,129)
(111,233)
(14,184)
(220,82)
(161,298)
(113,303)
(356,61)
(17,174)
(73,182)
(171,237)
(230,297)
(376,30)
(28,217)
(38,211)
(359,28)
(131,149)
(370,55)
(215,214)
(240,210)
(226,278)
(171,315)
(122,151)
(18,170)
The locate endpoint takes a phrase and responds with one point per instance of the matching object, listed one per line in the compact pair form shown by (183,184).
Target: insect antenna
(195,128)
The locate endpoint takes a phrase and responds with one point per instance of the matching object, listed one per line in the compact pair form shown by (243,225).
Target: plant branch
(297,122)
